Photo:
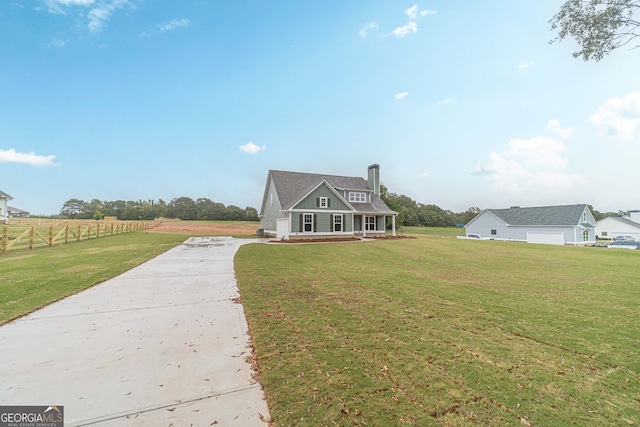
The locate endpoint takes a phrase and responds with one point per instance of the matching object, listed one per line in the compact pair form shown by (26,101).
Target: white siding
(610,227)
(3,209)
(547,238)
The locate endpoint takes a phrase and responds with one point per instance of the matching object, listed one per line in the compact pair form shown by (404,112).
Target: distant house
(560,225)
(307,205)
(17,213)
(613,226)
(4,208)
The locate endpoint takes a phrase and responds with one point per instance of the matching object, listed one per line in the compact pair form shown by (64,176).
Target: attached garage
(546,238)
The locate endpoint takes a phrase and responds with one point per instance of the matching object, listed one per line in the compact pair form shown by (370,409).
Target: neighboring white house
(613,226)
(560,225)
(4,209)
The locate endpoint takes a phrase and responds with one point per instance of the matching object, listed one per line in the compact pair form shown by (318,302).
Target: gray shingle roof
(543,215)
(292,186)
(5,195)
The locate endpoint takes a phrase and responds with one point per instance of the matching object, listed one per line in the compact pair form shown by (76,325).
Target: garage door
(549,238)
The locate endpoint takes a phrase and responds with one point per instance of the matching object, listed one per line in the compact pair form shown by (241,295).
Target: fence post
(78,236)
(31,237)
(66,234)
(51,235)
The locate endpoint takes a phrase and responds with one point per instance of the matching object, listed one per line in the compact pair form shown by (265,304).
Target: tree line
(183,208)
(410,212)
(415,214)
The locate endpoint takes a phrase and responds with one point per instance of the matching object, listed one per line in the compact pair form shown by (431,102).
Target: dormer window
(358,197)
(324,202)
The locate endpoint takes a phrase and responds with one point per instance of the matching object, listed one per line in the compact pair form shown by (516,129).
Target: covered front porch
(372,225)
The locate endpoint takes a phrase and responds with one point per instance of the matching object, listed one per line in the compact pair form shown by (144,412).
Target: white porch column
(393,225)
(364,226)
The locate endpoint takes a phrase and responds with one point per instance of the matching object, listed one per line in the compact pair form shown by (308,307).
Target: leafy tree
(233,213)
(183,208)
(72,208)
(209,210)
(89,209)
(251,214)
(466,216)
(114,208)
(599,26)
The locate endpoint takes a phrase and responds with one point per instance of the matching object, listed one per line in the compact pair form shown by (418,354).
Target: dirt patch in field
(198,228)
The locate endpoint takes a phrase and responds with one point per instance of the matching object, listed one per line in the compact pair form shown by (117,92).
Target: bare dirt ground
(204,228)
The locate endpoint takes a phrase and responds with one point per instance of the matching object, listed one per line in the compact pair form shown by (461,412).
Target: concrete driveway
(163,344)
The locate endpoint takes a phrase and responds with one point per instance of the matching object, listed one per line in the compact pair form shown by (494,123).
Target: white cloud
(619,117)
(410,28)
(97,19)
(56,6)
(446,101)
(252,148)
(424,174)
(364,31)
(30,158)
(553,125)
(538,152)
(176,23)
(524,65)
(413,12)
(400,95)
(530,163)
(100,13)
(57,43)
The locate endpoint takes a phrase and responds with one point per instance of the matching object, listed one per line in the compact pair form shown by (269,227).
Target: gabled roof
(16,210)
(543,215)
(291,187)
(5,195)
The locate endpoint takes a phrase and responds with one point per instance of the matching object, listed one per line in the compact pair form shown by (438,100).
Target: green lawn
(431,331)
(433,231)
(30,279)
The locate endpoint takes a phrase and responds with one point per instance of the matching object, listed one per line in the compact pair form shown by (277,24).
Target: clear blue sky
(462,103)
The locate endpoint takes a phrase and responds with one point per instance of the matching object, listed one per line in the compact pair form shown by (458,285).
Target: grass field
(432,331)
(30,279)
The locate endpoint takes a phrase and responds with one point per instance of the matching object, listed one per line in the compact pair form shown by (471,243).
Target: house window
(370,223)
(584,217)
(307,223)
(271,201)
(604,234)
(270,222)
(494,231)
(337,222)
(585,236)
(323,202)
(358,197)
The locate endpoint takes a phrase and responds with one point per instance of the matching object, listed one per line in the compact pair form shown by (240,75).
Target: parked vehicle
(624,239)
(624,244)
